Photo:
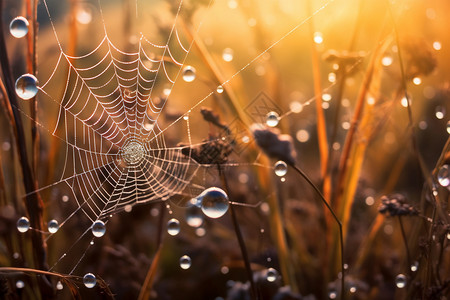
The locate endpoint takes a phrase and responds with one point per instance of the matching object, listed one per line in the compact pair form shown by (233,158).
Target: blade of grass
(321,126)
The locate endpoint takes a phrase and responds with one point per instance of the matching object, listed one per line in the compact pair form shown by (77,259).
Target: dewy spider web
(116,155)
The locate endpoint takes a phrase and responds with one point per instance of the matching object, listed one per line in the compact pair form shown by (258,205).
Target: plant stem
(33,201)
(341,236)
(149,278)
(237,230)
(405,241)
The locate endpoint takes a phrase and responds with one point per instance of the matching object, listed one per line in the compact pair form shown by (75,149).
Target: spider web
(109,114)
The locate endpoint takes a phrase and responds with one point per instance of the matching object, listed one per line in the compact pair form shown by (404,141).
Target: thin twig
(237,230)
(341,236)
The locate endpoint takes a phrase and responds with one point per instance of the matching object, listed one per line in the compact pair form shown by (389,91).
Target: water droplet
(98,228)
(448,127)
(65,198)
(89,280)
(224,270)
(437,46)
(400,281)
(271,274)
(404,102)
(443,176)
(219,89)
(332,293)
(188,73)
(173,227)
(185,262)
(386,61)
(318,38)
(84,15)
(20,284)
(296,107)
(272,119)
(280,168)
(59,285)
(200,231)
(440,112)
(352,289)
(53,226)
(326,97)
(417,80)
(26,86)
(185,117)
(194,215)
(214,202)
(370,201)
(227,54)
(23,224)
(415,266)
(19,27)
(448,236)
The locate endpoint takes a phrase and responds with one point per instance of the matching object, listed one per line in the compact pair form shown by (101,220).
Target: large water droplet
(219,89)
(173,227)
(443,176)
(23,224)
(271,274)
(53,226)
(20,284)
(98,228)
(272,119)
(185,262)
(214,202)
(194,215)
(19,27)
(280,168)
(188,73)
(89,280)
(400,281)
(227,54)
(26,86)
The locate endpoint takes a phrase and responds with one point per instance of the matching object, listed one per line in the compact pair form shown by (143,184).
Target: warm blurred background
(361,88)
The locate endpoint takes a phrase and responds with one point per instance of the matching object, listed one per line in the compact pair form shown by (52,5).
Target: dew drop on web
(189,73)
(23,224)
(19,27)
(53,226)
(89,280)
(214,202)
(26,86)
(98,228)
(443,176)
(219,89)
(173,227)
(272,119)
